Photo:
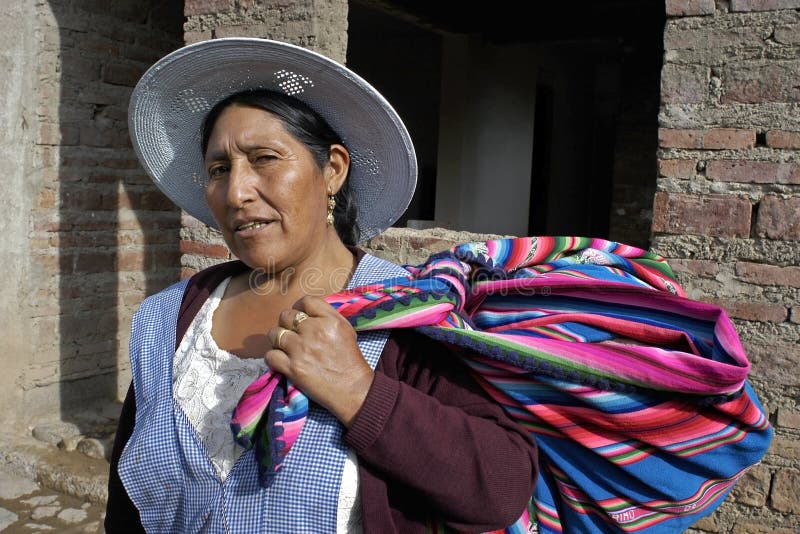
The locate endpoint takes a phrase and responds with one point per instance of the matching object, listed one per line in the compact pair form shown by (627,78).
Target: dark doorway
(597,64)
(403,61)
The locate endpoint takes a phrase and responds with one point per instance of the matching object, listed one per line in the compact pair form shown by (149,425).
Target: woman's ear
(335,171)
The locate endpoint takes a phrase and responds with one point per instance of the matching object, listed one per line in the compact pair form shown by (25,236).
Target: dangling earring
(331,205)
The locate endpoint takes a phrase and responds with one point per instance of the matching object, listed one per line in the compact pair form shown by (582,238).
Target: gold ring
(298,318)
(278,339)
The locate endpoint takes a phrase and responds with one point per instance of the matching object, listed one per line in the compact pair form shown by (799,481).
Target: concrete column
(17,115)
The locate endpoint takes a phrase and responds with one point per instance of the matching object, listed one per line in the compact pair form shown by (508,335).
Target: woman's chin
(272,256)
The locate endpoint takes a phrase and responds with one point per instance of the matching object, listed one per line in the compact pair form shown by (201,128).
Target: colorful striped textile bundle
(635,394)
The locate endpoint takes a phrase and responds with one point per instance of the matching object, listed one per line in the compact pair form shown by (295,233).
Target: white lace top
(207,383)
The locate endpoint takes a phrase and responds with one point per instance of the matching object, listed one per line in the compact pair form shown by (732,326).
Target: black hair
(308,127)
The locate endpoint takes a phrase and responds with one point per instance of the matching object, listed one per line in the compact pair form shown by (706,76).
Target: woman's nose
(241,184)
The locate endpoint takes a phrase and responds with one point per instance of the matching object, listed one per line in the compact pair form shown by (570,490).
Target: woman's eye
(263,158)
(217,171)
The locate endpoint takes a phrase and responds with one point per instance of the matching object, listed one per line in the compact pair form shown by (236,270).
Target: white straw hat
(173,97)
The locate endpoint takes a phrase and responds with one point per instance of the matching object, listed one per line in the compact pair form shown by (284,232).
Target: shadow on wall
(117,236)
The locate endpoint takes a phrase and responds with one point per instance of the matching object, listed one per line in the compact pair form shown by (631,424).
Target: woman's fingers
(291,319)
(281,338)
(304,309)
(277,361)
(315,307)
(317,349)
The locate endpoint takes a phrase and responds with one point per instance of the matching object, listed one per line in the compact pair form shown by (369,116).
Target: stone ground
(45,488)
(27,507)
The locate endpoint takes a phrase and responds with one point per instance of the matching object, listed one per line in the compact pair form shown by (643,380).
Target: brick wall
(101,236)
(727,212)
(320,26)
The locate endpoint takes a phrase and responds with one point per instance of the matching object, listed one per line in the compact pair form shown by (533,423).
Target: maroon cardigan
(430,442)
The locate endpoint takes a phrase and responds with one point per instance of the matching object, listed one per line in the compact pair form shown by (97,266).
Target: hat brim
(171,100)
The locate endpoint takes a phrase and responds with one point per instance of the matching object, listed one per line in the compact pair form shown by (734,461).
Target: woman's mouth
(253,224)
(251,227)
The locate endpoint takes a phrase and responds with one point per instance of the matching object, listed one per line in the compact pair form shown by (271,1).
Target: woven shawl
(636,395)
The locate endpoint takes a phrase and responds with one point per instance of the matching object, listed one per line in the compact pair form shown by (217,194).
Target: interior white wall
(485,136)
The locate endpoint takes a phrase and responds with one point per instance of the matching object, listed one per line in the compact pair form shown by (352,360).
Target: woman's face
(266,191)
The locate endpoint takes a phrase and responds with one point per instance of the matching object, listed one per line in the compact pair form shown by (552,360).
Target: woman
(292,157)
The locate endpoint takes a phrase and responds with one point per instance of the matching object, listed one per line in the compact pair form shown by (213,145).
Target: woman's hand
(320,356)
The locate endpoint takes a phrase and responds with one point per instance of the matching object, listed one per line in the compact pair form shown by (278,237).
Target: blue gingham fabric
(167,472)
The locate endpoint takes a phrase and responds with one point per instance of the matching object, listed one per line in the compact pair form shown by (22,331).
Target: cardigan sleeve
(121,513)
(439,442)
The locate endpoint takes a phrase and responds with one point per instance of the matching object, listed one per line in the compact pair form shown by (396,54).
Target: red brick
(121,74)
(711,215)
(750,311)
(205,7)
(204,249)
(677,168)
(131,261)
(715,138)
(131,298)
(120,163)
(103,94)
(711,37)
(704,268)
(46,199)
(788,418)
(673,138)
(69,240)
(76,66)
(105,136)
(719,138)
(162,258)
(152,220)
(90,262)
(684,84)
(143,200)
(783,139)
(768,275)
(105,46)
(153,238)
(53,134)
(779,218)
(87,326)
(434,244)
(100,347)
(50,263)
(785,491)
(187,272)
(758,172)
(763,5)
(76,161)
(743,526)
(46,156)
(685,8)
(788,34)
(148,259)
(709,523)
(250,30)
(753,488)
(196,37)
(754,84)
(85,199)
(41,243)
(776,364)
